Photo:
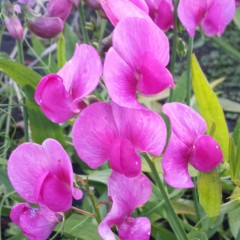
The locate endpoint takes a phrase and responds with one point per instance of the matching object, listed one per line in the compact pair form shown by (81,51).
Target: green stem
(25,113)
(172,216)
(174,47)
(82,23)
(83,212)
(189,74)
(102,31)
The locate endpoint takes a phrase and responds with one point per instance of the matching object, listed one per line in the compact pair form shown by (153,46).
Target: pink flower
(119,9)
(188,144)
(36,224)
(106,131)
(46,27)
(60,95)
(212,15)
(61,8)
(43,173)
(137,62)
(14,27)
(161,11)
(126,195)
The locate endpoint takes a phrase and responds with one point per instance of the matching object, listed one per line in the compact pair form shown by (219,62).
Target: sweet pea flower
(126,194)
(43,174)
(161,11)
(36,224)
(14,27)
(60,95)
(188,145)
(213,16)
(106,131)
(137,64)
(120,9)
(61,8)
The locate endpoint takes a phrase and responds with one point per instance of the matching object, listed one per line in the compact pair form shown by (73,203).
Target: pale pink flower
(213,16)
(106,131)
(188,145)
(126,194)
(14,27)
(60,95)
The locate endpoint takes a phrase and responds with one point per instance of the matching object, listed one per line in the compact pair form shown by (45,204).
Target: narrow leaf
(210,192)
(209,106)
(61,53)
(180,91)
(19,73)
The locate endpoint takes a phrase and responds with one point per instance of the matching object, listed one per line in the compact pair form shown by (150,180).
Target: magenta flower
(161,11)
(60,95)
(106,131)
(188,145)
(126,195)
(137,64)
(213,16)
(43,173)
(36,224)
(46,27)
(119,9)
(14,27)
(60,8)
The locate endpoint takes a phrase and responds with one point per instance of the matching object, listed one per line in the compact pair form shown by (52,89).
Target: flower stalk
(189,74)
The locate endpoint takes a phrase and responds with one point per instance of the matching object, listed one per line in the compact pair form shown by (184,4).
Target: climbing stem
(189,74)
(172,216)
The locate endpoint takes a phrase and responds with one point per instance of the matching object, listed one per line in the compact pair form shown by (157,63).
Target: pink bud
(46,27)
(14,27)
(94,4)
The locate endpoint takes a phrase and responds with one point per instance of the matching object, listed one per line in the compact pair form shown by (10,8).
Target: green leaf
(19,73)
(234,222)
(180,91)
(197,235)
(209,106)
(236,133)
(80,227)
(41,127)
(61,53)
(237,17)
(210,192)
(98,176)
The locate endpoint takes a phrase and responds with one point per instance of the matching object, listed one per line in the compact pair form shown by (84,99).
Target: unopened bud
(14,26)
(94,4)
(46,27)
(61,9)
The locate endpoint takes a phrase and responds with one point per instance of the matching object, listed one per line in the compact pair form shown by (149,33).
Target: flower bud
(94,4)
(46,27)
(14,26)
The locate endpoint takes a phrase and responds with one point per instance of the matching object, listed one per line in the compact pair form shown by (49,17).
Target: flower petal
(54,100)
(144,128)
(36,224)
(135,229)
(186,123)
(126,194)
(151,81)
(191,13)
(81,74)
(140,36)
(121,9)
(124,158)
(206,154)
(175,164)
(120,80)
(93,134)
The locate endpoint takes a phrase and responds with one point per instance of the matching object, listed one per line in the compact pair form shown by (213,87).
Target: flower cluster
(120,130)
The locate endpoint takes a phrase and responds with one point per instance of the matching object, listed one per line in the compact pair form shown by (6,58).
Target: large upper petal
(81,74)
(175,164)
(36,224)
(144,128)
(31,165)
(54,100)
(140,36)
(120,80)
(126,195)
(191,13)
(93,134)
(186,123)
(119,9)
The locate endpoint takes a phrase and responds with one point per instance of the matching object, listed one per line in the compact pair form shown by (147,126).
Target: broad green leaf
(41,127)
(237,17)
(229,106)
(19,73)
(210,192)
(61,53)
(234,221)
(4,180)
(209,106)
(161,233)
(197,235)
(81,227)
(183,206)
(180,91)
(98,176)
